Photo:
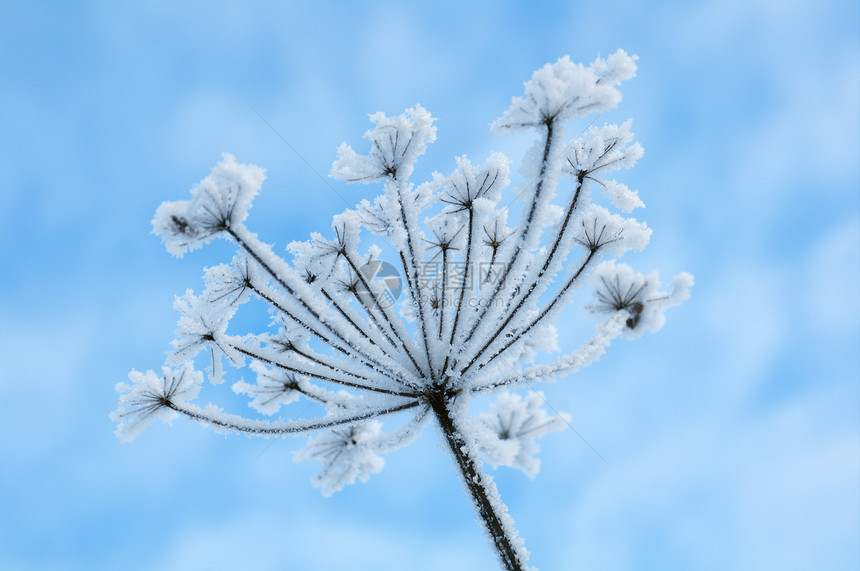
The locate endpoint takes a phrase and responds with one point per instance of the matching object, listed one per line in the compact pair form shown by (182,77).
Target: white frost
(566,90)
(347,454)
(619,288)
(144,400)
(511,430)
(217,202)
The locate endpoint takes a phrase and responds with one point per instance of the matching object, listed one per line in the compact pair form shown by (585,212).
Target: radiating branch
(264,428)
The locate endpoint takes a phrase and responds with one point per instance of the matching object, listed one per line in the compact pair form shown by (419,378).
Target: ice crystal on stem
(447,304)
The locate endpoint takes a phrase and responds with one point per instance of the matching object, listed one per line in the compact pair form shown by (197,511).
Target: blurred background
(731,437)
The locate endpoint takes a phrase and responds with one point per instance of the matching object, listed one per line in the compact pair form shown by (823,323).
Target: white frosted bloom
(396,143)
(612,234)
(202,326)
(448,232)
(619,288)
(602,150)
(173,223)
(228,285)
(565,90)
(347,454)
(217,202)
(469,183)
(513,426)
(374,216)
(149,397)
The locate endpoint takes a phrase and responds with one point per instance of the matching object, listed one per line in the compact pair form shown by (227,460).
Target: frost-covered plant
(478,297)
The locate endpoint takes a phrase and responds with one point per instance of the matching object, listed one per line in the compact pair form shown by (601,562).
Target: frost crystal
(622,289)
(513,427)
(220,200)
(449,301)
(151,397)
(347,453)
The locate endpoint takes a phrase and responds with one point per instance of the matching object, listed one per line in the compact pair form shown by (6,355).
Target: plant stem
(485,497)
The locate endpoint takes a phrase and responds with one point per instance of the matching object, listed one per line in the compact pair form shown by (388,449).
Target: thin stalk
(318,376)
(342,346)
(352,348)
(278,278)
(382,329)
(527,226)
(549,258)
(343,314)
(444,291)
(466,272)
(458,308)
(412,267)
(485,498)
(376,323)
(398,332)
(265,428)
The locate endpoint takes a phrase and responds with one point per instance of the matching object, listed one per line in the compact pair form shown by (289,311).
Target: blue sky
(732,437)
